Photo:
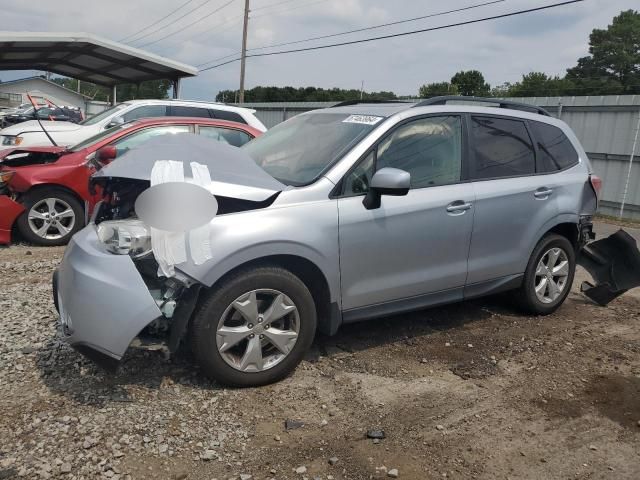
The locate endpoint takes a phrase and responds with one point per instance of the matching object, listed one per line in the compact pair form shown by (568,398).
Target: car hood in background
(34,126)
(233,172)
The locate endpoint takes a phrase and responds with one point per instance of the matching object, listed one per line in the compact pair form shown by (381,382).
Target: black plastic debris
(376,434)
(614,264)
(293,424)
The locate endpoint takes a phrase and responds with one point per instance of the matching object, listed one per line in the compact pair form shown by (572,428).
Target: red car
(44,191)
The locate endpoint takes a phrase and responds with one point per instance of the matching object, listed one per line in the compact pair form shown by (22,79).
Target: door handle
(458,207)
(542,193)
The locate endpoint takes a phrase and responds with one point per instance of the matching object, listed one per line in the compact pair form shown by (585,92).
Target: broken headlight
(125,237)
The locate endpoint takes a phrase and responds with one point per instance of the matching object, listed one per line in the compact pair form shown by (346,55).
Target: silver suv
(335,216)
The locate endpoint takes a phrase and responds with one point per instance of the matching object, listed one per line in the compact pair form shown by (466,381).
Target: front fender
(306,230)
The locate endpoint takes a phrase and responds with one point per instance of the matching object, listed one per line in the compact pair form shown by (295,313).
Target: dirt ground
(473,390)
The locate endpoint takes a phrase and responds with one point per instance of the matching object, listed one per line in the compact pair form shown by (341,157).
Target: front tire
(254,328)
(549,275)
(52,216)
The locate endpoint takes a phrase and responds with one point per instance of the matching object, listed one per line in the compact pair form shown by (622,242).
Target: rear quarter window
(555,151)
(225,115)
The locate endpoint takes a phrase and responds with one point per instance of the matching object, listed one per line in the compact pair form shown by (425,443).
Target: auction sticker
(363,119)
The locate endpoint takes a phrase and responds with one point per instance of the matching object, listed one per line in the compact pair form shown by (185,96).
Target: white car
(30,134)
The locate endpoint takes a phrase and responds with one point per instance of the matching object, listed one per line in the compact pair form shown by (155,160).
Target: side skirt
(443,297)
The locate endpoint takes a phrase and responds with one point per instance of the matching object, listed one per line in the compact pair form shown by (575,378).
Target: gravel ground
(474,390)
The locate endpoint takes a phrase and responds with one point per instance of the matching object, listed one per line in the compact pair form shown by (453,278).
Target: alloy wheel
(51,218)
(258,330)
(552,274)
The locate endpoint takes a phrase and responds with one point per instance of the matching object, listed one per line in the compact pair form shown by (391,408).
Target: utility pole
(243,57)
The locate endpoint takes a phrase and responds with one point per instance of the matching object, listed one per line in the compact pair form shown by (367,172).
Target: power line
(182,29)
(295,7)
(273,5)
(402,34)
(157,22)
(176,20)
(229,23)
(470,7)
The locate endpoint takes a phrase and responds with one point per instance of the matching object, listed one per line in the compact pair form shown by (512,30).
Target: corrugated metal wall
(605,125)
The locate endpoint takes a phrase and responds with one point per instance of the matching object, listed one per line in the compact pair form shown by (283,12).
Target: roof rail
(346,103)
(500,103)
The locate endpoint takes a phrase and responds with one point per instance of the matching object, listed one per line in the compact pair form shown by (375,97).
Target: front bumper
(10,210)
(102,299)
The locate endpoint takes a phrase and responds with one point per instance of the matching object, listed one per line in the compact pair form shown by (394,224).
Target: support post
(633,152)
(114,100)
(176,89)
(243,57)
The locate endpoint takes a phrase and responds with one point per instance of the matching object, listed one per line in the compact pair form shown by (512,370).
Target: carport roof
(86,57)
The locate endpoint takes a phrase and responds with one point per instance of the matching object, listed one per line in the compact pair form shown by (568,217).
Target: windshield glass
(23,111)
(102,115)
(299,150)
(98,137)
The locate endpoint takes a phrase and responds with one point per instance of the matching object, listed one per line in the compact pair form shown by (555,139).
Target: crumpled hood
(34,126)
(18,150)
(233,173)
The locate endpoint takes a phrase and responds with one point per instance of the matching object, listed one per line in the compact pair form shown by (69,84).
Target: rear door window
(555,151)
(501,148)
(145,111)
(181,111)
(231,136)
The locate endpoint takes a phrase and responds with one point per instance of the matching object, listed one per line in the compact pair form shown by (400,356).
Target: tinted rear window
(501,147)
(555,151)
(225,115)
(181,111)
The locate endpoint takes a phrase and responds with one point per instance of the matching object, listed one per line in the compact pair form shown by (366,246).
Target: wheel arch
(56,186)
(565,225)
(328,312)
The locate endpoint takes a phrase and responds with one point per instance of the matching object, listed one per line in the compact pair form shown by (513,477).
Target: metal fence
(607,127)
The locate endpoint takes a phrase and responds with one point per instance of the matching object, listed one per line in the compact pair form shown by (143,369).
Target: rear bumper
(101,298)
(10,210)
(614,264)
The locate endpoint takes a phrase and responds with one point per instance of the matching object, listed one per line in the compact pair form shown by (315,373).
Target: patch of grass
(616,221)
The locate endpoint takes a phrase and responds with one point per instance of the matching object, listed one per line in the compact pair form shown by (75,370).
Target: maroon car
(44,191)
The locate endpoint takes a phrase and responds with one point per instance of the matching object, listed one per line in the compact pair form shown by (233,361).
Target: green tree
(471,83)
(158,89)
(301,94)
(500,91)
(613,65)
(539,84)
(437,89)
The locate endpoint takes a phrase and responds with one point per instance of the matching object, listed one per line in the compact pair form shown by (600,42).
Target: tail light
(596,183)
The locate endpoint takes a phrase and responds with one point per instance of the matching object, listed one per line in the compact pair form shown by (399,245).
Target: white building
(14,92)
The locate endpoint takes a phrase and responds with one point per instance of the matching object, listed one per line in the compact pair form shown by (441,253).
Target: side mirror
(115,122)
(387,181)
(107,153)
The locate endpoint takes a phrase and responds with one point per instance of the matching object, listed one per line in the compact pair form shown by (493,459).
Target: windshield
(102,115)
(23,111)
(98,137)
(299,150)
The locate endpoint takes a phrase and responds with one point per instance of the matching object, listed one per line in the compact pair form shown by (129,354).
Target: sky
(503,50)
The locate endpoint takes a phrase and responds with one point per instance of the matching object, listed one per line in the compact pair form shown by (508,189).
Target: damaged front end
(113,289)
(614,264)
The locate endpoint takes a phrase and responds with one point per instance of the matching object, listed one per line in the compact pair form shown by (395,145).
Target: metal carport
(88,58)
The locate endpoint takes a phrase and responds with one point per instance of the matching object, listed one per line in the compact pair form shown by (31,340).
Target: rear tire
(548,277)
(244,326)
(51,218)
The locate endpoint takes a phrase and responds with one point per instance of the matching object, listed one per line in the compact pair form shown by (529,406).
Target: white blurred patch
(199,240)
(169,248)
(183,208)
